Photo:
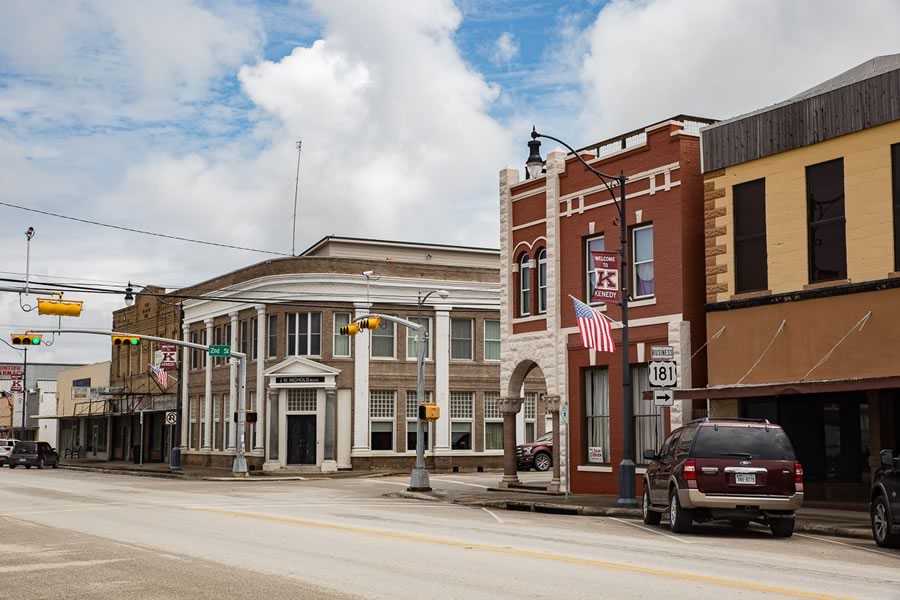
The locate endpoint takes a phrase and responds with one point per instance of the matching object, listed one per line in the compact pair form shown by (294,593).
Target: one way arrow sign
(663,397)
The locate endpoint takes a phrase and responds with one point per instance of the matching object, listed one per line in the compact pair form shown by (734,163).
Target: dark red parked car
(537,454)
(738,470)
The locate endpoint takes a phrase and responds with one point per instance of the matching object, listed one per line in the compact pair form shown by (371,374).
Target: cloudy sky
(181,116)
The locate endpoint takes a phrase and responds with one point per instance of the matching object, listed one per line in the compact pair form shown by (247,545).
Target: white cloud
(505,49)
(651,60)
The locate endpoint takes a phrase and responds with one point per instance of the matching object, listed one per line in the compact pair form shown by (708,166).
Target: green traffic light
(134,341)
(36,341)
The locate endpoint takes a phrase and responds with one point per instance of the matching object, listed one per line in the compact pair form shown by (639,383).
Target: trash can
(175,460)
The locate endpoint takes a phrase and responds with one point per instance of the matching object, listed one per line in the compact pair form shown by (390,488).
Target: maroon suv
(724,469)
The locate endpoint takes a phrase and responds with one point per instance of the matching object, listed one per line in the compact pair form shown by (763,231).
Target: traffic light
(370,323)
(125,340)
(351,329)
(429,412)
(26,339)
(59,307)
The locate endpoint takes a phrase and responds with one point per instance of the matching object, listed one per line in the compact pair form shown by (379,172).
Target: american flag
(161,376)
(594,327)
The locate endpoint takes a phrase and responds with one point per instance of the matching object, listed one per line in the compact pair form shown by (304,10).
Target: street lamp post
(535,166)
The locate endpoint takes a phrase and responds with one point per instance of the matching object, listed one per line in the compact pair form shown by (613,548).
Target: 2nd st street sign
(219,351)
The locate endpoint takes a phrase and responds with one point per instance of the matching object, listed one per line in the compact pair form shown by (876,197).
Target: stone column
(207,400)
(260,375)
(329,464)
(509,407)
(361,386)
(230,425)
(441,428)
(552,404)
(185,397)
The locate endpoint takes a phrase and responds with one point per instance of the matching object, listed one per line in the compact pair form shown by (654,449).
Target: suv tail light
(690,469)
(798,473)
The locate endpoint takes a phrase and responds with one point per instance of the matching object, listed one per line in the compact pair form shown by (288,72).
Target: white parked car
(6,446)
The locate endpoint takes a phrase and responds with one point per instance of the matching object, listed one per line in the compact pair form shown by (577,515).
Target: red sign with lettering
(606,277)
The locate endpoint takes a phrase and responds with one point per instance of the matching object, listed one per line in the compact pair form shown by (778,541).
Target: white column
(442,378)
(361,343)
(230,425)
(260,377)
(185,396)
(207,400)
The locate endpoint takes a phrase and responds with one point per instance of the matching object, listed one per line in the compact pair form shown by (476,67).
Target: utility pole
(296,187)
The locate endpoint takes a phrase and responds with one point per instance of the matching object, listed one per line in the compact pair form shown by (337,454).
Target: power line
(129,229)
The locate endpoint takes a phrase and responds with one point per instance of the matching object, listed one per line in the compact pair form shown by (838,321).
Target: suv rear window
(24,447)
(762,443)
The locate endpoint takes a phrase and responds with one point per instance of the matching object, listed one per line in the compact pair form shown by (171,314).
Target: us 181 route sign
(663,373)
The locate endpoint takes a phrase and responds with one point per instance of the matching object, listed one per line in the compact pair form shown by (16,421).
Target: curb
(232,479)
(599,511)
(157,474)
(845,532)
(413,496)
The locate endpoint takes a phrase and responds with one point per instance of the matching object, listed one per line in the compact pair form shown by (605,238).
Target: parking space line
(677,539)
(875,550)
(498,519)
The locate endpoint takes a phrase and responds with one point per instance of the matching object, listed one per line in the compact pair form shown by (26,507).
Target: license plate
(745,478)
(22,460)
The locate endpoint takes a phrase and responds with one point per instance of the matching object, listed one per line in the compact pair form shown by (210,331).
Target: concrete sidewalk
(207,474)
(822,521)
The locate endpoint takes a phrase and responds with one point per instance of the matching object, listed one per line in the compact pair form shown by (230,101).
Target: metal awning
(787,388)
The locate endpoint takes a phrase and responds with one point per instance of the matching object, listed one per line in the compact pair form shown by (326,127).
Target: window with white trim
(411,338)
(192,430)
(227,419)
(252,437)
(341,346)
(461,342)
(642,283)
(243,338)
(202,421)
(591,245)
(272,334)
(491,339)
(254,338)
(530,409)
(412,418)
(381,416)
(217,417)
(493,422)
(383,345)
(524,286)
(542,281)
(462,412)
(304,332)
(648,420)
(301,400)
(596,396)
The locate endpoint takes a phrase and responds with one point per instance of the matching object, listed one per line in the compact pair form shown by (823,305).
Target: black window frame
(748,198)
(815,223)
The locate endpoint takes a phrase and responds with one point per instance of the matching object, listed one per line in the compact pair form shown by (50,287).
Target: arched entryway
(525,407)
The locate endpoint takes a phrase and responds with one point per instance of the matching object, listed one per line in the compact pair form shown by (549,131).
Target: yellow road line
(412,537)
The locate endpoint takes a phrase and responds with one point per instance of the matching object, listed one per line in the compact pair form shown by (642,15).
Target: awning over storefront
(755,390)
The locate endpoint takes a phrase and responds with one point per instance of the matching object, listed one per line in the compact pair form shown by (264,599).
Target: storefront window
(596,394)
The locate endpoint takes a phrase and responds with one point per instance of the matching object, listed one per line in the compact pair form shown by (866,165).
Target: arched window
(542,281)
(524,286)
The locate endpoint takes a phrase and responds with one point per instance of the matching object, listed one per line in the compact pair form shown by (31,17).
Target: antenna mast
(296,187)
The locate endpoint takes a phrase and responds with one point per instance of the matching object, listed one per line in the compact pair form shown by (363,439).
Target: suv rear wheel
(881,525)
(680,520)
(651,517)
(782,528)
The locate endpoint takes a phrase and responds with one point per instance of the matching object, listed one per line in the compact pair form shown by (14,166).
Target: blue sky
(181,116)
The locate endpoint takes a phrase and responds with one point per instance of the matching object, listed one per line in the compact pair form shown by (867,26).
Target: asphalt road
(82,535)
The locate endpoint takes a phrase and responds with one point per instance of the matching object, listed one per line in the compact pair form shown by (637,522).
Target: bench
(72,452)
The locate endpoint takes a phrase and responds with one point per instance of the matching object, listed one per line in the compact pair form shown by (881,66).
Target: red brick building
(549,226)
